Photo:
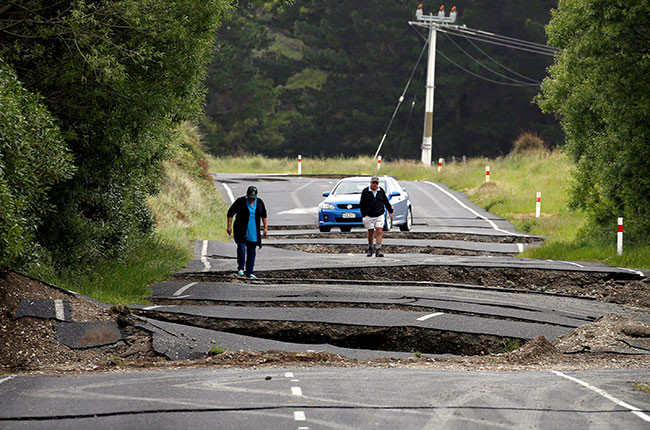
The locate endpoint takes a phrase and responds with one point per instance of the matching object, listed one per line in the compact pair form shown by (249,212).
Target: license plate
(349,215)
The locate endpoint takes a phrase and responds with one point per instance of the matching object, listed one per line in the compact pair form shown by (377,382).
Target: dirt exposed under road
(29,345)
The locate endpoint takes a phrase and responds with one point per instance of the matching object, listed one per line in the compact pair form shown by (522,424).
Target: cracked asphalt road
(311,398)
(347,304)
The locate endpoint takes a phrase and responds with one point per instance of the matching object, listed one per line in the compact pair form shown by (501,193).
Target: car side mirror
(395,194)
(326,193)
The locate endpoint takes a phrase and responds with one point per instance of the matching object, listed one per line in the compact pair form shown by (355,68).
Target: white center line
(148,308)
(426,317)
(489,221)
(5,379)
(58,310)
(299,416)
(636,411)
(204,251)
(288,375)
(229,191)
(183,289)
(296,391)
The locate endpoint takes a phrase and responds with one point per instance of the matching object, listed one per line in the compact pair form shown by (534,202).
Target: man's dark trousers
(246,255)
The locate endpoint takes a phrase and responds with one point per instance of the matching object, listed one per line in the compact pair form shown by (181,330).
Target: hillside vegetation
(185,209)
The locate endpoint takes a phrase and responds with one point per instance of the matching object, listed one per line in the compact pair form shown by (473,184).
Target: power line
(501,40)
(482,77)
(499,64)
(469,71)
(490,69)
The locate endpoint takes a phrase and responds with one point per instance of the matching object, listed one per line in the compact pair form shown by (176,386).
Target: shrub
(528,142)
(33,157)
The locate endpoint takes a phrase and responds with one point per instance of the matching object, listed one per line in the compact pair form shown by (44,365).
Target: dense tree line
(90,92)
(323,78)
(599,87)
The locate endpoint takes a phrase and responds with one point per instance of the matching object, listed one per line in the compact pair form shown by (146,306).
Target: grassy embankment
(511,194)
(187,208)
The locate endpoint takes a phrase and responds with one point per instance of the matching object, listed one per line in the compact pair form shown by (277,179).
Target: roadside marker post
(487,173)
(538,205)
(379,162)
(299,164)
(439,164)
(619,237)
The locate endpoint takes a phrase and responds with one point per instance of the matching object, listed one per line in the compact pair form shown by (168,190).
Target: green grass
(126,280)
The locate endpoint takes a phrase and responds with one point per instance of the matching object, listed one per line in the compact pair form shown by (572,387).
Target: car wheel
(324,229)
(409,222)
(388,224)
(346,228)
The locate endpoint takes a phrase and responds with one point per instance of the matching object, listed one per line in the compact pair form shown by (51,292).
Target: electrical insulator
(452,15)
(441,12)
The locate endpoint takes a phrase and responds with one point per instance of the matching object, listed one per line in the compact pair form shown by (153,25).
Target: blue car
(341,207)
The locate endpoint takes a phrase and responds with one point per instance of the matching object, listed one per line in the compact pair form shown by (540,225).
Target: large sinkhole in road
(400,339)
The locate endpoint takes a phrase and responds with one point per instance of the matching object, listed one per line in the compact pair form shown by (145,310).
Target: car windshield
(354,187)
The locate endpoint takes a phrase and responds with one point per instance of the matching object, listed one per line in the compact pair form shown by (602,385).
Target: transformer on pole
(431,21)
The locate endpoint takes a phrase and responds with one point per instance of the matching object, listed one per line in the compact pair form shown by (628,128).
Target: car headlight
(327,206)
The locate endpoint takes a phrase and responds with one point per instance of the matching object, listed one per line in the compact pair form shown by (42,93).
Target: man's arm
(363,202)
(229,228)
(266,226)
(389,207)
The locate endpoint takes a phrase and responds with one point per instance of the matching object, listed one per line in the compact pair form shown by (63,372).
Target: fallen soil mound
(610,333)
(30,343)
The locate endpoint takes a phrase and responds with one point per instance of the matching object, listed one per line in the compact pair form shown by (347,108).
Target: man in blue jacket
(248,210)
(373,201)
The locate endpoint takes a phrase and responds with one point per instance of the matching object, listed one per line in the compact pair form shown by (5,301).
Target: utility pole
(431,21)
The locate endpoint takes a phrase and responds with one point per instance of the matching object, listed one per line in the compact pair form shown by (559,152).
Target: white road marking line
(638,272)
(426,317)
(567,262)
(183,289)
(148,308)
(288,375)
(295,380)
(303,428)
(204,259)
(296,391)
(294,195)
(229,191)
(636,411)
(5,379)
(182,297)
(299,416)
(520,247)
(58,310)
(489,221)
(299,211)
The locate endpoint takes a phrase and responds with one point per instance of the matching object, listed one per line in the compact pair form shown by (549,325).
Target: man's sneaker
(370,252)
(379,254)
(240,273)
(251,276)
